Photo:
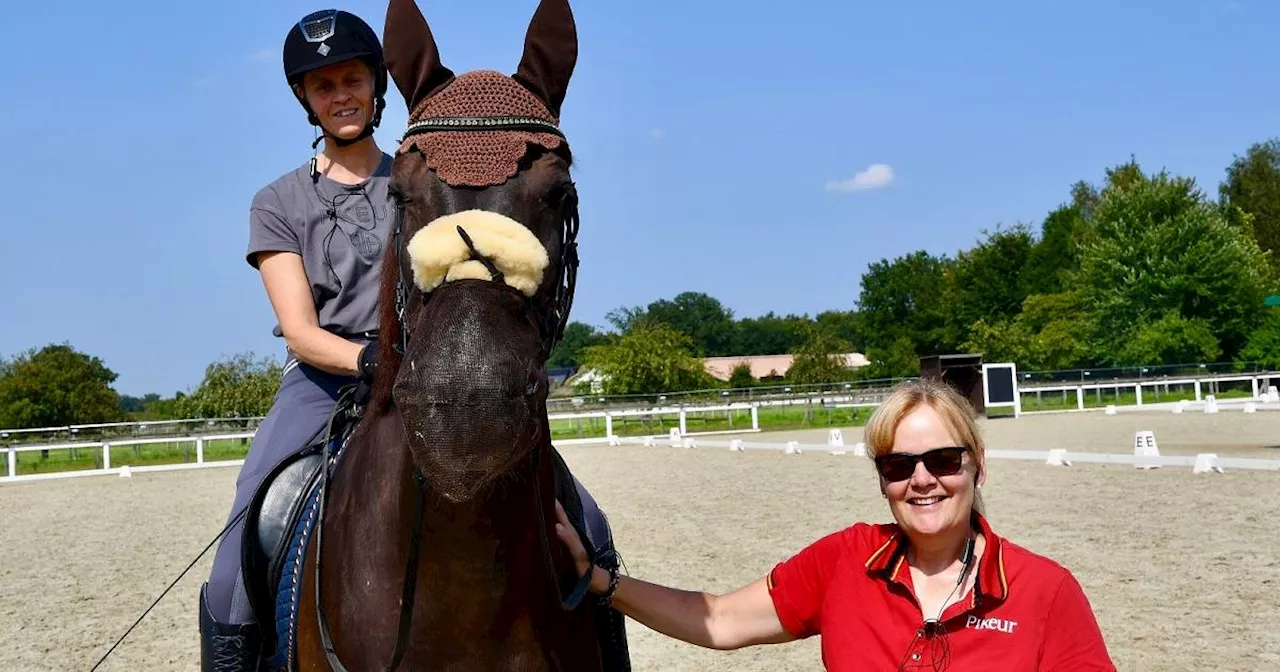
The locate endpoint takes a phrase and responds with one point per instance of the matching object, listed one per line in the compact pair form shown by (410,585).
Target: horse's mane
(389,332)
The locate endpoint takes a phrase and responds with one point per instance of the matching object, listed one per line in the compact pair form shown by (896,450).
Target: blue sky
(717,145)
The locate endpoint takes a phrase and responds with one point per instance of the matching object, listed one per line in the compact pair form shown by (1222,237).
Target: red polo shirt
(853,587)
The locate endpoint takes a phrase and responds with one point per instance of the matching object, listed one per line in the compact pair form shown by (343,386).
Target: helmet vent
(319,26)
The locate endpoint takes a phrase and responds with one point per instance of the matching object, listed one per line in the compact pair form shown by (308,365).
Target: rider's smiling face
(341,95)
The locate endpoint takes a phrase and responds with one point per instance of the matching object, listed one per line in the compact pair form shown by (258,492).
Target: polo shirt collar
(889,561)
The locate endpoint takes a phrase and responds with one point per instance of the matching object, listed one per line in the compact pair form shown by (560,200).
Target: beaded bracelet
(607,597)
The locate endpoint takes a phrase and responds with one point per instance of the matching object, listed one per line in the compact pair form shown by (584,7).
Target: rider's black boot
(226,648)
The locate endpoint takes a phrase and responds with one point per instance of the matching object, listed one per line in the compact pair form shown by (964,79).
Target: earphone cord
(331,208)
(932,628)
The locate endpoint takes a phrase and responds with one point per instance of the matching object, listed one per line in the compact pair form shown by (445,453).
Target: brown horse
(433,537)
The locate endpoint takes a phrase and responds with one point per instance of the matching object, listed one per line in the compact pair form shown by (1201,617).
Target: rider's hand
(569,537)
(367,361)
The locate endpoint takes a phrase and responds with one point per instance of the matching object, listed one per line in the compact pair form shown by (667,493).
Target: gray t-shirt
(339,230)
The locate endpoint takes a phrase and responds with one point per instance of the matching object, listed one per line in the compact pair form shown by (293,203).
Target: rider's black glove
(368,361)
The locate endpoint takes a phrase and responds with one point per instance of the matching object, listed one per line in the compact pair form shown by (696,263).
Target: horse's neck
(481,563)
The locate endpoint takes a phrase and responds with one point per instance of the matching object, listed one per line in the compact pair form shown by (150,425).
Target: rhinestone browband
(532,124)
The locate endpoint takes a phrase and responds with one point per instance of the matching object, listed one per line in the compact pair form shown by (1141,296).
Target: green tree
(235,387)
(1057,250)
(741,376)
(152,407)
(1250,195)
(903,298)
(55,386)
(985,283)
(649,359)
(1002,341)
(845,324)
(898,359)
(1062,331)
(625,318)
(819,360)
(707,323)
(568,351)
(769,334)
(1263,345)
(1158,246)
(1170,339)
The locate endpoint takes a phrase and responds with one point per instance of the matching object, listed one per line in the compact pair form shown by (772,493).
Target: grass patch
(80,459)
(772,418)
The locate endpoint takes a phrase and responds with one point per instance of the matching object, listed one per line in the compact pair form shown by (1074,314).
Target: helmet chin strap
(324,133)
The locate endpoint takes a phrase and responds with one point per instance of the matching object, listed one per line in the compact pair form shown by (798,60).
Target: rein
(552,326)
(411,573)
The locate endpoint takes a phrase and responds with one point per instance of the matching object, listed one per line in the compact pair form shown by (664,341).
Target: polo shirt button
(915,656)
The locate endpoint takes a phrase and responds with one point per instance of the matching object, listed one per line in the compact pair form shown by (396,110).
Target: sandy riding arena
(1183,569)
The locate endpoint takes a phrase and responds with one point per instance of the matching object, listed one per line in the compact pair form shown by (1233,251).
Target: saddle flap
(282,498)
(273,513)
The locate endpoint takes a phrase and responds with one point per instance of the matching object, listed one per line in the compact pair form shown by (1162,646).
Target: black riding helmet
(332,36)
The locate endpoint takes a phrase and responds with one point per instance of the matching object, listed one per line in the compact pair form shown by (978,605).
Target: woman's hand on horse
(569,537)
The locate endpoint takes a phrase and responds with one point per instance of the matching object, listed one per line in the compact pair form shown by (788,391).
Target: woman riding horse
(317,236)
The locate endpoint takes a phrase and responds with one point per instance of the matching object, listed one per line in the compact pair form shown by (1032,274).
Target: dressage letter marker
(1144,445)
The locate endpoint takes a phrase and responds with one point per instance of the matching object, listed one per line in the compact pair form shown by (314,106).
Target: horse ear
(413,60)
(550,52)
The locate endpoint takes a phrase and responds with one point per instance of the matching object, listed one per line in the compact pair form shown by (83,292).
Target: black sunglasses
(939,461)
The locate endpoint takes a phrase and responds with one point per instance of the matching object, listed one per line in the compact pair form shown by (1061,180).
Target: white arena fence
(1203,387)
(1265,398)
(1148,458)
(1204,462)
(199,442)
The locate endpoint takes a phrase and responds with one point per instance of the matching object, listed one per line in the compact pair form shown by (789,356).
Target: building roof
(763,366)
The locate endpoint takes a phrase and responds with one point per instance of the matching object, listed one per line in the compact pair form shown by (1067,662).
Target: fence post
(13,463)
(106,455)
(1198,391)
(684,426)
(755,417)
(1080,398)
(1137,388)
(199,450)
(608,425)
(1255,388)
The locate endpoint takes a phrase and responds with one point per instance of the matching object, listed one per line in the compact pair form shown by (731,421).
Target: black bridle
(553,320)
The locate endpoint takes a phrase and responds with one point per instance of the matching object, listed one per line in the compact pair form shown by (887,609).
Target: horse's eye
(556,194)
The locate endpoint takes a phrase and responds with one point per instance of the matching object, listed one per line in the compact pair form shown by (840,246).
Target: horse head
(478,281)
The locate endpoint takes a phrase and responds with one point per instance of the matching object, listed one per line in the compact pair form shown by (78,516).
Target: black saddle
(273,516)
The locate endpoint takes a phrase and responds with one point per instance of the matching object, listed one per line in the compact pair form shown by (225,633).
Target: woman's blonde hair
(956,412)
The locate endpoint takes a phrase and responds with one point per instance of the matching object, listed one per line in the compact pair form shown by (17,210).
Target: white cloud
(876,176)
(263,55)
(656,133)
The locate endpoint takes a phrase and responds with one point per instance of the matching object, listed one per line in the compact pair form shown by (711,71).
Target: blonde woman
(936,589)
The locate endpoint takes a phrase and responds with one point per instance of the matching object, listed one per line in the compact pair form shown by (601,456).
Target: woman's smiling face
(927,504)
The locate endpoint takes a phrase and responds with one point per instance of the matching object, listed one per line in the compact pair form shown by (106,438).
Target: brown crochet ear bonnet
(480,158)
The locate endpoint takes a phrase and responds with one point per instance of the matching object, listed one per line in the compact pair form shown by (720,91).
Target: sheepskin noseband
(439,252)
